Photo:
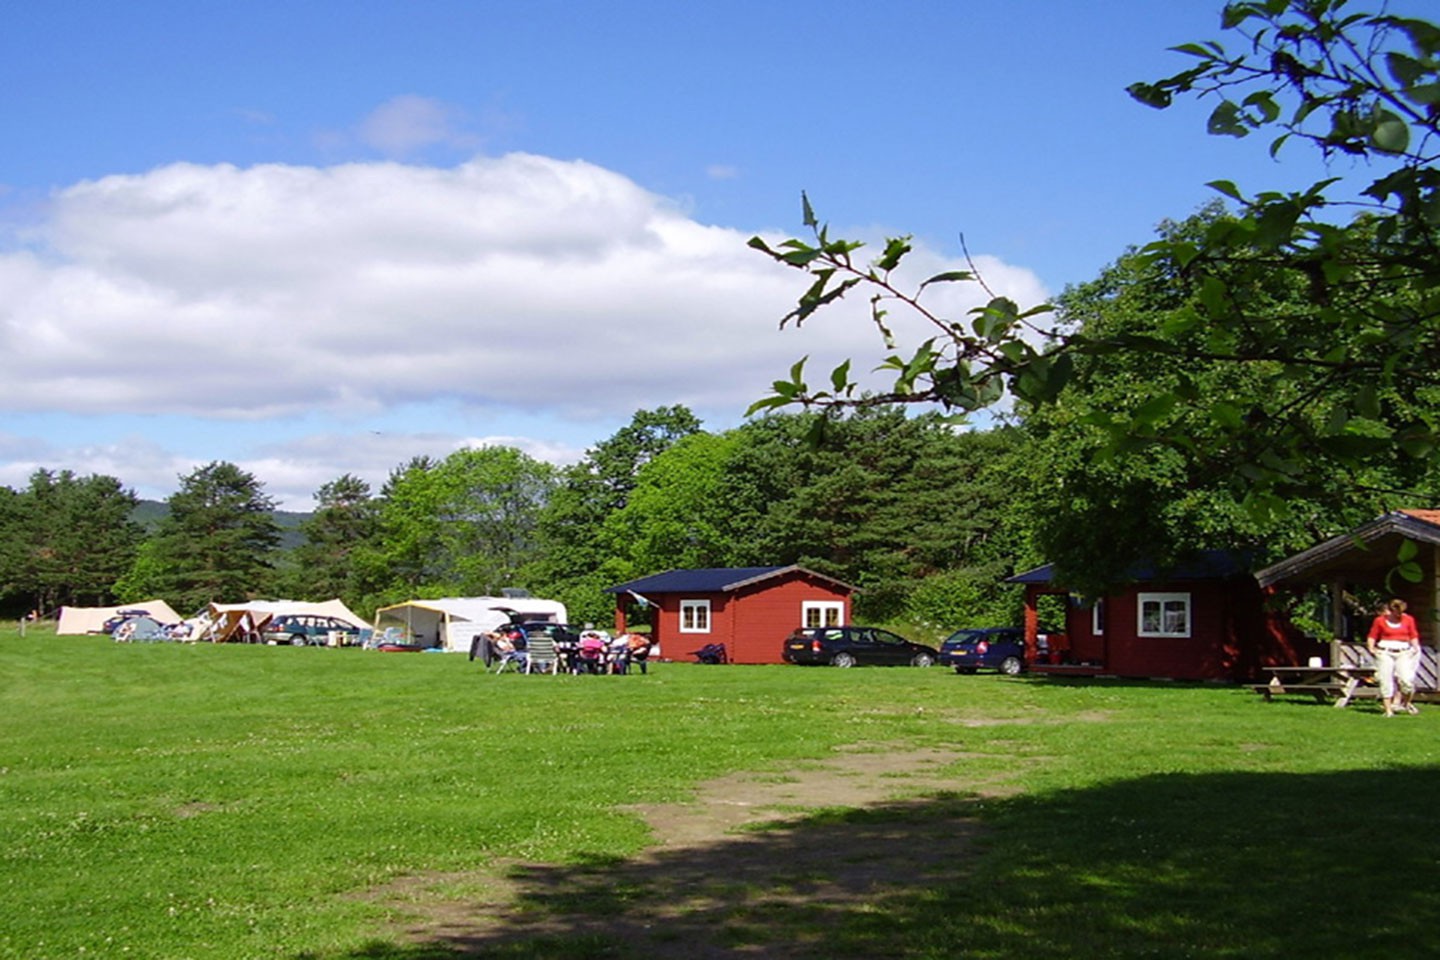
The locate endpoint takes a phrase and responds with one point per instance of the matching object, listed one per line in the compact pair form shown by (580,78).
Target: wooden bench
(1343,684)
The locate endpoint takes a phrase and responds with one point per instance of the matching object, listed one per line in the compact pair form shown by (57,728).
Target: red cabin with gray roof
(750,610)
(1199,620)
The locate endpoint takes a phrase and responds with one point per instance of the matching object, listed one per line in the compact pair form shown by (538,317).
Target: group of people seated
(592,651)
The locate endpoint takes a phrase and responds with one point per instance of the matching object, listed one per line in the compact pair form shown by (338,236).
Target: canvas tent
(78,620)
(226,622)
(450,623)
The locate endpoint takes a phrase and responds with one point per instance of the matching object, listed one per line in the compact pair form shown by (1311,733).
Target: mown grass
(221,802)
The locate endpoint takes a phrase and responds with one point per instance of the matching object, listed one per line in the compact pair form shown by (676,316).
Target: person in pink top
(1394,642)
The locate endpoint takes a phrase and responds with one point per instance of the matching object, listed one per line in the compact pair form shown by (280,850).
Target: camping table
(1322,682)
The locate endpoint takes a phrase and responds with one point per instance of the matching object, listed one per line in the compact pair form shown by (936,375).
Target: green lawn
(174,801)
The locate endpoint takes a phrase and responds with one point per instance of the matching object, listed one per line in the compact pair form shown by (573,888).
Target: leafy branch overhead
(1331,291)
(965,366)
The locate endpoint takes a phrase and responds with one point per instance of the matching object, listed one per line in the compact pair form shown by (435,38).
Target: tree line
(872,502)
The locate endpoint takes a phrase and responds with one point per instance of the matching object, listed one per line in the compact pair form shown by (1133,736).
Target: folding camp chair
(540,654)
(505,659)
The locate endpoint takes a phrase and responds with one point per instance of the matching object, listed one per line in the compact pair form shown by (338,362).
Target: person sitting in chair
(592,651)
(638,650)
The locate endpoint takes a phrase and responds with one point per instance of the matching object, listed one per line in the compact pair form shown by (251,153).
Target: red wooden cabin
(1345,578)
(1204,620)
(750,610)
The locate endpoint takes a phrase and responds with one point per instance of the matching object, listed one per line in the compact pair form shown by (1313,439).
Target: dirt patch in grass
(758,864)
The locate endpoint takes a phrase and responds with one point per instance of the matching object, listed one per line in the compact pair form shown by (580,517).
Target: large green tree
(1171,484)
(68,538)
(333,560)
(677,514)
(217,544)
(1333,289)
(464,525)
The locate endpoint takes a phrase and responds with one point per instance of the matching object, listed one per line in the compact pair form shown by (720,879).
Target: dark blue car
(987,648)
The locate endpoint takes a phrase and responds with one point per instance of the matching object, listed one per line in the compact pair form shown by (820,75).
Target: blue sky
(319,238)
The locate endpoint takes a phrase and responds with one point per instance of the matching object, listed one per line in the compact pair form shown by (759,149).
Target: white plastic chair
(540,654)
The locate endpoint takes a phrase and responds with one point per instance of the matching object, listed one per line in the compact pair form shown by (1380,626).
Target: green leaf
(1214,296)
(1152,95)
(1404,69)
(895,250)
(1225,120)
(766,403)
(1262,99)
(1227,415)
(840,377)
(1226,187)
(1408,550)
(951,276)
(1390,134)
(807,213)
(1155,409)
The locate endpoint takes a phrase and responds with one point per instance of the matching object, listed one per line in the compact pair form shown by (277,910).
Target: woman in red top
(1394,642)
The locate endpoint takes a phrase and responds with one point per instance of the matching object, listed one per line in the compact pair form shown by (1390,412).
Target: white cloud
(518,282)
(510,286)
(402,125)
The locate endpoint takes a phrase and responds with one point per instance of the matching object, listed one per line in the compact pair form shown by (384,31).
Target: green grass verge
(201,802)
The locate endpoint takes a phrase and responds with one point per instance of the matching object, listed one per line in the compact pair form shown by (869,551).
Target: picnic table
(1343,683)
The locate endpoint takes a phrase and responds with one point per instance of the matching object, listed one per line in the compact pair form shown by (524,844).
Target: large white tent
(451,623)
(223,621)
(77,620)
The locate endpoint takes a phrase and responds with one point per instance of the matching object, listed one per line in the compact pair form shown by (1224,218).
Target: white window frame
(1097,618)
(1162,600)
(828,613)
(694,616)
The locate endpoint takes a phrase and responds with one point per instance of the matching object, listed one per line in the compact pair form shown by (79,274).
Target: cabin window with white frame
(1164,615)
(822,613)
(1097,618)
(694,616)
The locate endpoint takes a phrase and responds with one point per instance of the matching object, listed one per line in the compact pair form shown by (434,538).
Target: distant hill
(149,513)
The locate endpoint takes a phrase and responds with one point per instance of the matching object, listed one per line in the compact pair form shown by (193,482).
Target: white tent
(450,623)
(77,620)
(274,608)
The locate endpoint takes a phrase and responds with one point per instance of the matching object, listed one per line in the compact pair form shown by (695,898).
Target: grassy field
(202,802)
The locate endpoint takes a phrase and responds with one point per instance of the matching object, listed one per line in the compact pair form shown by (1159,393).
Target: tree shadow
(1258,865)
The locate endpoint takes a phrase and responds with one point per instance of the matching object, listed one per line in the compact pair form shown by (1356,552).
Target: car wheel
(1010,666)
(297,639)
(922,660)
(843,660)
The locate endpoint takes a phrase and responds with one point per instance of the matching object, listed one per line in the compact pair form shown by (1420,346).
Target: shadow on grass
(1247,865)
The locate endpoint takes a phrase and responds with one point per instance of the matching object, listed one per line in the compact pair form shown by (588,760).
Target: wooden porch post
(1337,617)
(1032,623)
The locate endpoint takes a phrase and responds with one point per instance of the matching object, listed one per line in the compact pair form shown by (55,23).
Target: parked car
(849,646)
(304,629)
(989,648)
(561,633)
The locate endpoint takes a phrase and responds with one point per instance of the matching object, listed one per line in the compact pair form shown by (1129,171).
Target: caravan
(452,623)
